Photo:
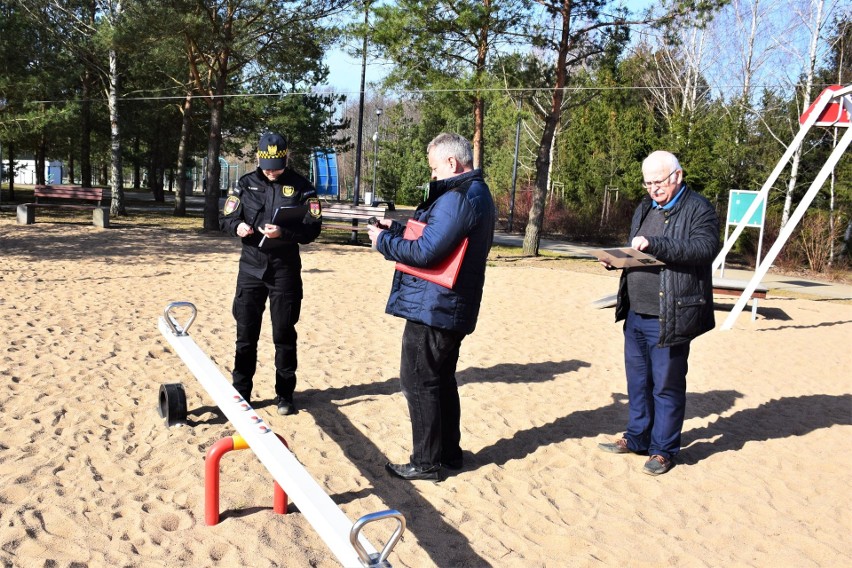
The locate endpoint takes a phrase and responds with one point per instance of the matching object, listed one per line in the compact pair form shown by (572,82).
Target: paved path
(818,288)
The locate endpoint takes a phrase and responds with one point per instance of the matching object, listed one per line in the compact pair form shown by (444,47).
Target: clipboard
(289,214)
(445,272)
(625,257)
(283,216)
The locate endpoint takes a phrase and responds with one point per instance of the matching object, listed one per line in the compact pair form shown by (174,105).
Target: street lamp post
(375,152)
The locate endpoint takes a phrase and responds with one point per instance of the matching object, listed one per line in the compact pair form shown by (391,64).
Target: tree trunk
(183,178)
(478,129)
(551,159)
(11,169)
(86,131)
(137,165)
(39,161)
(482,39)
(158,169)
(116,177)
(791,185)
(748,67)
(832,213)
(532,235)
(214,144)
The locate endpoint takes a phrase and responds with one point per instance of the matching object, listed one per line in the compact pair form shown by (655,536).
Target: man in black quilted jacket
(664,308)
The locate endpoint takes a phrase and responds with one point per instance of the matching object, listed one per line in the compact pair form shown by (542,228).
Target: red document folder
(445,272)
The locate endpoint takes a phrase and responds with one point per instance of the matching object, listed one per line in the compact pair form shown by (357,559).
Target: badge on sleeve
(315,208)
(231,204)
(288,190)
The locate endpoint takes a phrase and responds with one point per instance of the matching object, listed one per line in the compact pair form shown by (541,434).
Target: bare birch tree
(113,12)
(840,47)
(78,27)
(813,20)
(677,81)
(762,43)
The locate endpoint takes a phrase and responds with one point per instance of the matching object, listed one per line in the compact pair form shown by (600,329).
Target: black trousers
(283,288)
(428,379)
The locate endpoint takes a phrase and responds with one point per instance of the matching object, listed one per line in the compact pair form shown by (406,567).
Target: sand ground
(91,476)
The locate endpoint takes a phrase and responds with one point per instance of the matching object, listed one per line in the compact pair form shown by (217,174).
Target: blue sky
(345,71)
(778,66)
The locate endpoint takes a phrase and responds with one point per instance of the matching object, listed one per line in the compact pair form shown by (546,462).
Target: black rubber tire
(172,404)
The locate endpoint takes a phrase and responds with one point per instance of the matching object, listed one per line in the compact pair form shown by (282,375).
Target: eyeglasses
(650,184)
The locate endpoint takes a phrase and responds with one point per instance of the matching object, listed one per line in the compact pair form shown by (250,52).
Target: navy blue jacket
(456,208)
(689,244)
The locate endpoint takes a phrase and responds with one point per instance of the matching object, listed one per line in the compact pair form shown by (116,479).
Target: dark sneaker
(617,447)
(285,407)
(657,465)
(408,472)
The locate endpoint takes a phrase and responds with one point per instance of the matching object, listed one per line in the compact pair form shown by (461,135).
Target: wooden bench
(721,286)
(347,217)
(100,214)
(728,287)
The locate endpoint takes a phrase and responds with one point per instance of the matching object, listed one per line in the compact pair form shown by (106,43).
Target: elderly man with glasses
(664,308)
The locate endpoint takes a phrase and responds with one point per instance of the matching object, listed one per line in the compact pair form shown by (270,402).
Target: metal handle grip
(380,559)
(176,328)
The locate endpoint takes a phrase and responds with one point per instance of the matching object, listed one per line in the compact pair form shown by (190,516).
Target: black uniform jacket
(254,201)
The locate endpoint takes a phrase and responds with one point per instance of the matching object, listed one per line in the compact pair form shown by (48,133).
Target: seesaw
(342,536)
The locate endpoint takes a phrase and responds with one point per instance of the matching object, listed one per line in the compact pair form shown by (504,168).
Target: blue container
(324,172)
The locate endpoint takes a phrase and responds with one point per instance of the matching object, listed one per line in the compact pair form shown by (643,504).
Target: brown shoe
(617,447)
(657,465)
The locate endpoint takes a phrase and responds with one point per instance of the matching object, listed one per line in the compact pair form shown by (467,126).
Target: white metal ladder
(841,96)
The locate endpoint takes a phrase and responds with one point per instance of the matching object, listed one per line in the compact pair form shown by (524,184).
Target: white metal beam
(313,502)
(797,215)
(823,101)
(843,97)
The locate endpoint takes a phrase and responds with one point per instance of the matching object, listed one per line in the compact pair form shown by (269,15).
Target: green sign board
(738,204)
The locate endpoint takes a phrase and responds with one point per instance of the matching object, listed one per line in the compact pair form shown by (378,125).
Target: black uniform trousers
(283,288)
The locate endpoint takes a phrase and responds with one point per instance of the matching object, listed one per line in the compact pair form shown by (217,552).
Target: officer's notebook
(445,272)
(624,257)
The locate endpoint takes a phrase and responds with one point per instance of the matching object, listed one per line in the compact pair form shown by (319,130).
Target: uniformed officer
(270,266)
